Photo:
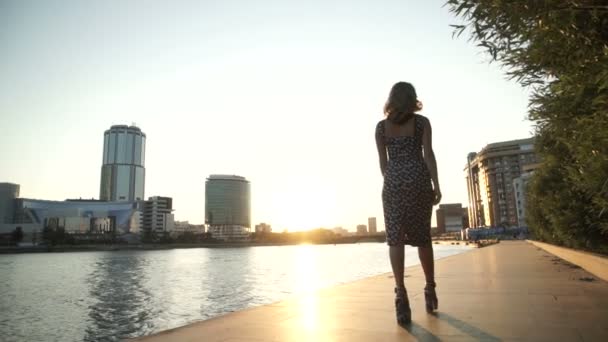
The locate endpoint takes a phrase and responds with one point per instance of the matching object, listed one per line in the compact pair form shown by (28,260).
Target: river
(109,296)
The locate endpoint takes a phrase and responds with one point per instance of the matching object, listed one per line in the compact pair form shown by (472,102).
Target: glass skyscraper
(227,201)
(123,173)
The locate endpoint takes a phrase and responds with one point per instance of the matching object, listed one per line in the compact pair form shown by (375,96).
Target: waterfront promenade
(511,291)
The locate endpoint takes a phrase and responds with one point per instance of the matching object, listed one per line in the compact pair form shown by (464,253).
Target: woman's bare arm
(381,149)
(429,158)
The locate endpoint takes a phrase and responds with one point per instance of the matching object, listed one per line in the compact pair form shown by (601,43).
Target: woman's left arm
(381,148)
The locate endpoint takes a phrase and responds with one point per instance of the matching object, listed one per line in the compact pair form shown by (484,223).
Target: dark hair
(402,103)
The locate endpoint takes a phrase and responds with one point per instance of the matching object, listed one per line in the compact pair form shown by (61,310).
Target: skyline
(297,91)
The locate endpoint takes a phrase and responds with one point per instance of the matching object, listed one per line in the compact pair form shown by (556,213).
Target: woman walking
(410,190)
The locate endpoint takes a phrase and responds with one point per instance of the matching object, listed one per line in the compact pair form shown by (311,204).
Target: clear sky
(285,93)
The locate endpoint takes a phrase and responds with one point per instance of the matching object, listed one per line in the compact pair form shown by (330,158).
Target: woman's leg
(402,304)
(397,256)
(428,263)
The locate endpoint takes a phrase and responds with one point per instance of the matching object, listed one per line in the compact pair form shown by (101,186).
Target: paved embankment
(509,291)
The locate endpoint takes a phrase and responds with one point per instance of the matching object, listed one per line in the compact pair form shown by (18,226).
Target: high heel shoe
(402,306)
(430,297)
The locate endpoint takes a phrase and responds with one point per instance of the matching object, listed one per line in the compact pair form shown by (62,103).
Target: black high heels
(430,297)
(402,306)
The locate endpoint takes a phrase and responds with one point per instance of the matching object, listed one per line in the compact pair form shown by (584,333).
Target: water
(107,296)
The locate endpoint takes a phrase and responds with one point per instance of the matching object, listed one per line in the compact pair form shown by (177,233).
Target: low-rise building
(181,227)
(229,232)
(451,218)
(263,228)
(340,231)
(361,229)
(86,218)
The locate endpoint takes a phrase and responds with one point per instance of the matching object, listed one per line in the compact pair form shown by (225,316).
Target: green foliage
(56,236)
(17,235)
(558,48)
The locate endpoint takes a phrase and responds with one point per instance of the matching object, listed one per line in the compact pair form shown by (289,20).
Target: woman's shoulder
(423,119)
(380,127)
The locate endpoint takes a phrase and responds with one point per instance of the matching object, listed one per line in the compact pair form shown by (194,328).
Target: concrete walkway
(511,291)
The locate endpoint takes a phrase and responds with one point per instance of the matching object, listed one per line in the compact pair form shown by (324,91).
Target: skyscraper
(9,192)
(122,172)
(371,223)
(228,206)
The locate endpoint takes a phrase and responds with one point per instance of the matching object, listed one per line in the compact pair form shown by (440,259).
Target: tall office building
(228,206)
(371,224)
(9,192)
(489,175)
(123,173)
(157,215)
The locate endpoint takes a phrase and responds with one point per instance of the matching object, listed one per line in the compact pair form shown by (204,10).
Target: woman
(410,190)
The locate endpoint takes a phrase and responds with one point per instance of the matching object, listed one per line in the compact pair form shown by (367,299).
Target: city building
(181,227)
(122,172)
(361,229)
(489,175)
(340,231)
(520,190)
(371,223)
(157,215)
(451,218)
(263,228)
(9,193)
(228,207)
(88,218)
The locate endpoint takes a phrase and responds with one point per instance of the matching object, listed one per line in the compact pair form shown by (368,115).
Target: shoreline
(515,292)
(152,247)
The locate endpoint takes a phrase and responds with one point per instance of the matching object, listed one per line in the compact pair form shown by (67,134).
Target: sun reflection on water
(307,282)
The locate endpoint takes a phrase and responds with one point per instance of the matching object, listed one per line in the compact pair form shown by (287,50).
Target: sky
(284,93)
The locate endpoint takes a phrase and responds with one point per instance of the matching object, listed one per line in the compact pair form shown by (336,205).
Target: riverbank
(147,247)
(111,296)
(507,291)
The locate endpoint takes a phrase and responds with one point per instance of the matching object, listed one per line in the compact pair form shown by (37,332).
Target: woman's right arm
(381,148)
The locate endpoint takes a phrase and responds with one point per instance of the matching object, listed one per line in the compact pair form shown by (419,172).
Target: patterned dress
(407,194)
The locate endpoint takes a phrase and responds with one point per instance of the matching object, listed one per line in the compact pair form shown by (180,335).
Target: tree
(559,49)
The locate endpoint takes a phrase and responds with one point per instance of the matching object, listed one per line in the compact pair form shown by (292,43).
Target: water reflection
(307,281)
(108,296)
(230,280)
(120,300)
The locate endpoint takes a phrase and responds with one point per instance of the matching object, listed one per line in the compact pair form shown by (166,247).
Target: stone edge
(592,263)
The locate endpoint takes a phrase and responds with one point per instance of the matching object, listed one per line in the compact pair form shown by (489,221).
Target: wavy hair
(402,103)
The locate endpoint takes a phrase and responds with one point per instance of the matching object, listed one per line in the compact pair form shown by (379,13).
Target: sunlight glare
(307,206)
(307,282)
